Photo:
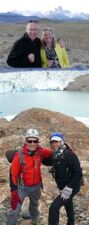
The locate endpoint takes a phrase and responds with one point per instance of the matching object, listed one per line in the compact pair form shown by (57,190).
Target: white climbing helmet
(32,133)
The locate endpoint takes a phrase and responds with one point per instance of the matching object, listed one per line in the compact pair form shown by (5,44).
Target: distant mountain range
(58,14)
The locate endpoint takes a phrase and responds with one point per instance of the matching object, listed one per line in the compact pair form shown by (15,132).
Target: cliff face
(76,134)
(81,83)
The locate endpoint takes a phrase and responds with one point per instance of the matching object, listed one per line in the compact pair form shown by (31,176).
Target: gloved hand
(66,192)
(15,199)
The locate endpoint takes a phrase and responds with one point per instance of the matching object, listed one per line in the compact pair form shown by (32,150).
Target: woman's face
(55,145)
(48,37)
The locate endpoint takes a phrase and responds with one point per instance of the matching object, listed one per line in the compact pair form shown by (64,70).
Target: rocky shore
(12,136)
(80,84)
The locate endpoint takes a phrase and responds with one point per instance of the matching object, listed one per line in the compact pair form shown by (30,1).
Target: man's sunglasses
(32,141)
(33,21)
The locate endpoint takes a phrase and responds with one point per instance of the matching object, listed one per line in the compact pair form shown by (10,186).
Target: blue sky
(44,6)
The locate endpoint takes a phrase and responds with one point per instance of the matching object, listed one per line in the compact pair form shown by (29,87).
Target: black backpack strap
(22,162)
(22,166)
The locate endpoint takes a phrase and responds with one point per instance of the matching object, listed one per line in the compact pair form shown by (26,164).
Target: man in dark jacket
(26,51)
(67,172)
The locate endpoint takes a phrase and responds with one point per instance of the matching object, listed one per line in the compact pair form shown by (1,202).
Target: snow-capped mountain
(21,80)
(57,14)
(60,14)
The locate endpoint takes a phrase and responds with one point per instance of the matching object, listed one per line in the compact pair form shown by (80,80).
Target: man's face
(32,29)
(55,145)
(32,143)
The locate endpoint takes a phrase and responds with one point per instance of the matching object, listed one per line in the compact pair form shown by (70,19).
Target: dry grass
(74,34)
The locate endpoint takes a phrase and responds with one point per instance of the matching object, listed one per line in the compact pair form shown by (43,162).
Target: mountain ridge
(57,14)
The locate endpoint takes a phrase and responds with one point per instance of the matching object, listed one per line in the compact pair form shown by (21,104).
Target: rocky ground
(49,192)
(78,57)
(76,134)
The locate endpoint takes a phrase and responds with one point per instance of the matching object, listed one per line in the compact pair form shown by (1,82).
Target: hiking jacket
(67,169)
(29,172)
(61,55)
(18,56)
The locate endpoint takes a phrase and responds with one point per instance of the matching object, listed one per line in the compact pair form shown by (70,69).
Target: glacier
(24,80)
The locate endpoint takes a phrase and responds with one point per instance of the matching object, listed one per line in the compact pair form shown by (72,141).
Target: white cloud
(39,5)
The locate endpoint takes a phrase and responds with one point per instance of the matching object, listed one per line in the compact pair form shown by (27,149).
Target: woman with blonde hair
(53,55)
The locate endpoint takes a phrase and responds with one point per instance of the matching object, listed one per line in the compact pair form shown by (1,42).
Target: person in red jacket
(30,175)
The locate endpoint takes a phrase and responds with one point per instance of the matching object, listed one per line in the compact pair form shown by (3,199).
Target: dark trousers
(34,195)
(54,211)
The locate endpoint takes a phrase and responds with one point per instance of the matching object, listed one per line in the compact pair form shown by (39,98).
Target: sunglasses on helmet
(33,21)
